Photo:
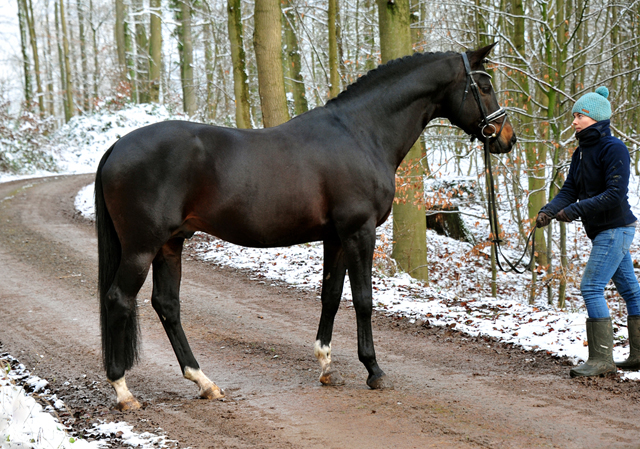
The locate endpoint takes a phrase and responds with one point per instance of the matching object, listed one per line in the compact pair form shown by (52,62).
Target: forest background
(252,64)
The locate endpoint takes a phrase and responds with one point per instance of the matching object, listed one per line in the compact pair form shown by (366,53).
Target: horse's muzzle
(505,141)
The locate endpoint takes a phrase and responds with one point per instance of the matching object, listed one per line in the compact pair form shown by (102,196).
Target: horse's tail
(109,255)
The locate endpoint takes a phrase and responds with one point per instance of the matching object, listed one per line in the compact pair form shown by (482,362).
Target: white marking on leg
(323,354)
(208,389)
(123,396)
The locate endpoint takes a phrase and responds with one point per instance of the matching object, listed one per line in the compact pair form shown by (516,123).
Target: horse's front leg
(166,303)
(359,248)
(332,283)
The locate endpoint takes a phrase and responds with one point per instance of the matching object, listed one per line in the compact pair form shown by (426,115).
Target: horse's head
(473,104)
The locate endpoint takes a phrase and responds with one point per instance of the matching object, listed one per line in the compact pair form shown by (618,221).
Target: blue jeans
(610,259)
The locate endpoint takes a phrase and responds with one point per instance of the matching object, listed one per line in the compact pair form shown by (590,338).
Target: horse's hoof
(331,378)
(213,392)
(129,404)
(381,382)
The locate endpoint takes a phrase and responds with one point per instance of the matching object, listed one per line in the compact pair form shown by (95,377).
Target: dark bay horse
(327,175)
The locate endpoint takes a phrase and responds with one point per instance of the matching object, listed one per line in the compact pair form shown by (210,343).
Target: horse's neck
(390,118)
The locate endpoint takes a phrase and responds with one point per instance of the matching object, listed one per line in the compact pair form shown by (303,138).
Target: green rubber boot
(633,362)
(600,338)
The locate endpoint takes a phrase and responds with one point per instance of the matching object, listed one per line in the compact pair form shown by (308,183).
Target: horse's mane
(379,75)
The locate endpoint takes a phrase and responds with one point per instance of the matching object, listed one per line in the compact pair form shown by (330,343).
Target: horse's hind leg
(166,302)
(120,325)
(332,283)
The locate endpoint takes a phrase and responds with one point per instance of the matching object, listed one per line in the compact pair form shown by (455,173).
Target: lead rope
(493,222)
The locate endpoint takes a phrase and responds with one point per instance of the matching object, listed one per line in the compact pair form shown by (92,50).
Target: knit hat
(594,105)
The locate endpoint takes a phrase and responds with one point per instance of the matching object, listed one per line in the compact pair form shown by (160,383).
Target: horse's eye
(486,90)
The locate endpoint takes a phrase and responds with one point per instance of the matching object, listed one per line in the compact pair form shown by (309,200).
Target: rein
(487,121)
(493,223)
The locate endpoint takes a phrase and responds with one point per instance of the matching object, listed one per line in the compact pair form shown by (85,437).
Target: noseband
(487,119)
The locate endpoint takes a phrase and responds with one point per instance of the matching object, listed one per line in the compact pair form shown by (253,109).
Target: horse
(326,175)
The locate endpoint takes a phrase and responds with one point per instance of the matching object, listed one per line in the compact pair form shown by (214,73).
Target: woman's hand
(542,220)
(562,216)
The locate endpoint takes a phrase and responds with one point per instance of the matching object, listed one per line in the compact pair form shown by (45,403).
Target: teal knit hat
(594,105)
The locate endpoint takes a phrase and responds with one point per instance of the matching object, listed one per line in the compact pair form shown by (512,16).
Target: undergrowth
(22,143)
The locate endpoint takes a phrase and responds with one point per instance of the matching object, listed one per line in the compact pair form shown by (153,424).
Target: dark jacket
(597,184)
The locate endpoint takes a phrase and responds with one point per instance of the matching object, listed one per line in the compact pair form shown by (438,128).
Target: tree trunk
(482,39)
(409,225)
(142,54)
(293,53)
(186,63)
(48,54)
(238,58)
(482,36)
(63,75)
(120,39)
(26,66)
(129,47)
(564,264)
(155,49)
(84,76)
(69,109)
(334,74)
(267,40)
(36,57)
(210,67)
(369,37)
(615,42)
(446,220)
(564,9)
(535,156)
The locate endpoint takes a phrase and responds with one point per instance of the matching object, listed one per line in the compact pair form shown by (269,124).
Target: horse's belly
(263,233)
(257,240)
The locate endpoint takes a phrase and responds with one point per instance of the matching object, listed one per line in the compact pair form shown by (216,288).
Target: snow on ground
(457,296)
(79,144)
(26,423)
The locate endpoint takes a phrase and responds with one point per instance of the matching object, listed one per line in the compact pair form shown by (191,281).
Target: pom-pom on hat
(594,105)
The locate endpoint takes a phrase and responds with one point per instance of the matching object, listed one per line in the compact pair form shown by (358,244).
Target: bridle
(488,121)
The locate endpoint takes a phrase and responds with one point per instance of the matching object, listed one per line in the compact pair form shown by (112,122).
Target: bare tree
(155,49)
(240,82)
(185,45)
(267,41)
(69,109)
(409,221)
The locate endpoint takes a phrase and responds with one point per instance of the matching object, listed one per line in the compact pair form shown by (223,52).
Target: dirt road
(255,340)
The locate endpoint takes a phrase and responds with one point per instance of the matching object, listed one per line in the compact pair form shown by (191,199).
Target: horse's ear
(478,56)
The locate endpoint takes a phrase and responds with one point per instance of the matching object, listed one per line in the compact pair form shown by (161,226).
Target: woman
(596,192)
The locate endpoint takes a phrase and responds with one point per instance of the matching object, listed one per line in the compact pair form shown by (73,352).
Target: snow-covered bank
(25,423)
(78,145)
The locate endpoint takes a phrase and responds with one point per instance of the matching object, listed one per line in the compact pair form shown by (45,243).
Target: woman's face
(581,121)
